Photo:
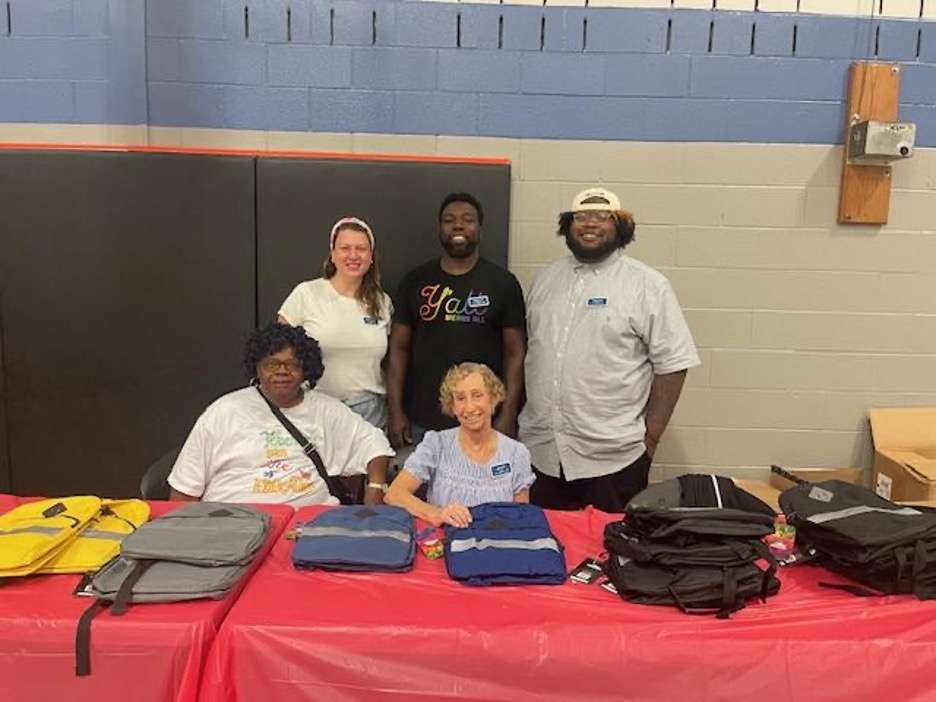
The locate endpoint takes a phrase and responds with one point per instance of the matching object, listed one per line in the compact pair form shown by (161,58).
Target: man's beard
(459,250)
(592,253)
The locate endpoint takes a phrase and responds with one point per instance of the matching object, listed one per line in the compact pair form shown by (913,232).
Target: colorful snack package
(431,542)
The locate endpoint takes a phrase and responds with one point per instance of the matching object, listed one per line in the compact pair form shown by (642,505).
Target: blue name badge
(479,301)
(500,469)
(597,302)
(370,320)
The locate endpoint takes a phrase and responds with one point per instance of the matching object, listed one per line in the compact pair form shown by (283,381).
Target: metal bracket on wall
(873,94)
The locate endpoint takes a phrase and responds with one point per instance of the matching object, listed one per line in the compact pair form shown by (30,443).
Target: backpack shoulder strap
(83,638)
(307,448)
(121,601)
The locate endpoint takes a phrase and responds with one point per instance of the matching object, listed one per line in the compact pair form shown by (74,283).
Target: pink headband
(351,220)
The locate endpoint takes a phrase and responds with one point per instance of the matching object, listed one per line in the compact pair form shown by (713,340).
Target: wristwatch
(377,486)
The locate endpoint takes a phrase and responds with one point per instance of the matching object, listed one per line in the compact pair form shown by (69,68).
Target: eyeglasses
(271,365)
(600,216)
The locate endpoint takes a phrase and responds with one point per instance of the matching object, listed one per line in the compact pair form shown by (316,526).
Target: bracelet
(377,486)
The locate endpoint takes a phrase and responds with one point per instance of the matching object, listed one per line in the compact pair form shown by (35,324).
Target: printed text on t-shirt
(440,298)
(276,447)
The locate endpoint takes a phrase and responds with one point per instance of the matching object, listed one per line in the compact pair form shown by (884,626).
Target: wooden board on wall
(873,94)
(298,201)
(128,291)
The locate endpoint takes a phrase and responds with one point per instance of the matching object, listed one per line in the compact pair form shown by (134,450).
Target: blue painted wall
(81,61)
(434,68)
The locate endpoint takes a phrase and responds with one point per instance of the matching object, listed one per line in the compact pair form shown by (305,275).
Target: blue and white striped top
(452,477)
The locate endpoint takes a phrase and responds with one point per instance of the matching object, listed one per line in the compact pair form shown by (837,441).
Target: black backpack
(719,590)
(865,537)
(692,542)
(629,543)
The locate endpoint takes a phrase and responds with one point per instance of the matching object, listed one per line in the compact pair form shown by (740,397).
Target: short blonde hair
(458,373)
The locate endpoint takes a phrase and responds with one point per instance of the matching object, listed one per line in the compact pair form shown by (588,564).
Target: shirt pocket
(616,329)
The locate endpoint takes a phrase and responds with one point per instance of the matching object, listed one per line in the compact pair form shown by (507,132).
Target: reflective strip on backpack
(718,498)
(31,530)
(403,536)
(100,534)
(460,545)
(823,517)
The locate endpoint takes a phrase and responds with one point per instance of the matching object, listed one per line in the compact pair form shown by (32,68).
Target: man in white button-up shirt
(607,357)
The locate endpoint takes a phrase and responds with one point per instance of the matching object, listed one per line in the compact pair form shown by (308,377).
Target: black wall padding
(127,285)
(129,281)
(5,476)
(298,201)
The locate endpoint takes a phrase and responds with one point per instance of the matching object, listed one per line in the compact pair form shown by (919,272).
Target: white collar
(596,267)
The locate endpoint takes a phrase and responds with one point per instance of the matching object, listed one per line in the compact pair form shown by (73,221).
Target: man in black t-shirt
(456,308)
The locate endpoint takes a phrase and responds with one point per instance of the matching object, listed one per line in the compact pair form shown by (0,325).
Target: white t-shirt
(239,452)
(353,343)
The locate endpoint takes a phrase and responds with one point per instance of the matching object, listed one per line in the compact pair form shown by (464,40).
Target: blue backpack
(358,537)
(506,543)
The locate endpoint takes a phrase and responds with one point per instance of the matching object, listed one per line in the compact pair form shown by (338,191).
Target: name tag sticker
(479,301)
(371,320)
(597,302)
(500,469)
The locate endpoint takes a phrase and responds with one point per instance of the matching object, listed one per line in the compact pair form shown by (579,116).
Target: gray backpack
(198,551)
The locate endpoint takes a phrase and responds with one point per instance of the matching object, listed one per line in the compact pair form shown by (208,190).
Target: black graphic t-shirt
(454,318)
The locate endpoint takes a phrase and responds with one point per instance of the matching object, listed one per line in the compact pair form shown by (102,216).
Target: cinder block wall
(716,126)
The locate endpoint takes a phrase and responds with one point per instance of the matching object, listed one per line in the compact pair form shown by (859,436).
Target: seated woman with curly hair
(238,451)
(470,464)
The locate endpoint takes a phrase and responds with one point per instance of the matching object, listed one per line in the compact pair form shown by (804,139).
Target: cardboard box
(904,453)
(769,491)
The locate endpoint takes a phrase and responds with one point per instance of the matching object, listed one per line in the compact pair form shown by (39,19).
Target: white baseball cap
(595,199)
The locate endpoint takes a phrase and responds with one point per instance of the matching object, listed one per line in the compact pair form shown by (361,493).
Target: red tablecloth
(154,652)
(8,502)
(296,635)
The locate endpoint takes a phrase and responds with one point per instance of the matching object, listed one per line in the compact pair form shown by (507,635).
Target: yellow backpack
(32,533)
(100,540)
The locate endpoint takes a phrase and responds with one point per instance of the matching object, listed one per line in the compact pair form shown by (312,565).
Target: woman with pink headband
(348,313)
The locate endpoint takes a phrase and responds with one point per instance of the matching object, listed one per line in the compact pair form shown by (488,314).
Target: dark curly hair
(276,337)
(623,219)
(462,197)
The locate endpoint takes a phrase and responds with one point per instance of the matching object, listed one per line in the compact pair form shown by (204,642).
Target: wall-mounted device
(873,99)
(872,143)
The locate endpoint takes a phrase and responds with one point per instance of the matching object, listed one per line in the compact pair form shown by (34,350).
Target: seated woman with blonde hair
(470,464)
